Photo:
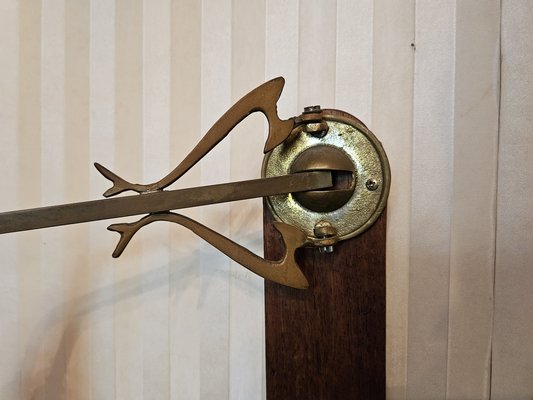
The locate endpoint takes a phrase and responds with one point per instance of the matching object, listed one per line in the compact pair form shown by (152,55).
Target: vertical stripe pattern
(102,149)
(9,284)
(512,350)
(134,84)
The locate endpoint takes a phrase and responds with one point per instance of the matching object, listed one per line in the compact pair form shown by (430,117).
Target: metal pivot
(331,140)
(306,154)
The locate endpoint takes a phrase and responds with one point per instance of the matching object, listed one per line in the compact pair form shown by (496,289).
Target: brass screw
(324,230)
(317,129)
(372,184)
(312,109)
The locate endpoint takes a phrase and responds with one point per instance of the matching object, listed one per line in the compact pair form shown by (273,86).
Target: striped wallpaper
(447,86)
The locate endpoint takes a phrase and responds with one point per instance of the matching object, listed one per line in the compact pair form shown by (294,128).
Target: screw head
(323,230)
(372,184)
(317,129)
(312,109)
(325,249)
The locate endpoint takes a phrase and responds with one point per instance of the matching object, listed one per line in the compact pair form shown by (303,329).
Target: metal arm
(263,99)
(284,271)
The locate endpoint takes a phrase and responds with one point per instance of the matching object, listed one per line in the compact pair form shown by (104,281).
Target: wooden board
(328,342)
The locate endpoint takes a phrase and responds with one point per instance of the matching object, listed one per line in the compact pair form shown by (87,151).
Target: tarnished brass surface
(326,158)
(263,99)
(284,271)
(348,135)
(317,150)
(159,201)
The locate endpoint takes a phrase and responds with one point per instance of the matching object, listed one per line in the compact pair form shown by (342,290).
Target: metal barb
(262,99)
(284,271)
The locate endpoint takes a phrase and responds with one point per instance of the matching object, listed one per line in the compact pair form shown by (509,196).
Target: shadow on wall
(68,320)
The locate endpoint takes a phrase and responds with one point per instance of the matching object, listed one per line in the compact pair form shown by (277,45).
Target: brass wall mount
(336,141)
(325,175)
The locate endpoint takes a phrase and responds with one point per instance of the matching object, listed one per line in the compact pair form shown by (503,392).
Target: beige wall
(446,85)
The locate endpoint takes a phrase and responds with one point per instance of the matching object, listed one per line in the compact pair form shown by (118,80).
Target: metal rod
(74,213)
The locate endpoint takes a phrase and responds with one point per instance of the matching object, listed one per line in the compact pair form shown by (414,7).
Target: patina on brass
(321,149)
(160,201)
(263,99)
(346,145)
(284,271)
(326,158)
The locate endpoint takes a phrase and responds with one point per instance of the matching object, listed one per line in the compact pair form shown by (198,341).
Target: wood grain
(328,342)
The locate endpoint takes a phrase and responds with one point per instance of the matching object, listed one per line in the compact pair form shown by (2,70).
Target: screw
(324,230)
(372,184)
(325,249)
(317,129)
(312,109)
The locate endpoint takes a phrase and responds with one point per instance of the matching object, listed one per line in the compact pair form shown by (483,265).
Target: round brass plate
(372,176)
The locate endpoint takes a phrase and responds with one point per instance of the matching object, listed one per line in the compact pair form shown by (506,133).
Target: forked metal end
(262,99)
(126,232)
(119,185)
(285,271)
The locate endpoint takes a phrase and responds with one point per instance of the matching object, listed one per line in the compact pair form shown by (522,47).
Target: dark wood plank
(328,342)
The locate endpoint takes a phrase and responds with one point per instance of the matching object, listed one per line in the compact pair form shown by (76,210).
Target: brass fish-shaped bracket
(305,156)
(263,99)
